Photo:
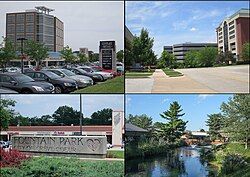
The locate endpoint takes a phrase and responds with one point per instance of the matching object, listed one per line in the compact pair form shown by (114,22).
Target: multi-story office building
(36,24)
(84,51)
(180,50)
(169,49)
(233,32)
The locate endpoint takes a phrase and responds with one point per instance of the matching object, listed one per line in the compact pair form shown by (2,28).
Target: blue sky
(173,22)
(195,106)
(38,105)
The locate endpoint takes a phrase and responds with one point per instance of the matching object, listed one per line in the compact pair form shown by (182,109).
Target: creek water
(183,162)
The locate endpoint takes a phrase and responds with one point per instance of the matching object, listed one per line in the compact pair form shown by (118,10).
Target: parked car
(109,145)
(13,69)
(24,84)
(95,77)
(105,75)
(62,85)
(100,69)
(3,144)
(82,81)
(6,90)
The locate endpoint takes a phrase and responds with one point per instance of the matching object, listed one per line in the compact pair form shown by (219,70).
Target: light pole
(80,114)
(22,39)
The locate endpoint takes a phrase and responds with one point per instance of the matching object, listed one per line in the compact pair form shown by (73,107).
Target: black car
(62,85)
(93,76)
(24,84)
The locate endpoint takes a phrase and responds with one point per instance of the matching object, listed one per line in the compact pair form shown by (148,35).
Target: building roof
(133,128)
(195,44)
(95,128)
(198,133)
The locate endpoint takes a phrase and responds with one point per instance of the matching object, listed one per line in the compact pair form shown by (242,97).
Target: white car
(13,70)
(105,75)
(3,144)
(109,145)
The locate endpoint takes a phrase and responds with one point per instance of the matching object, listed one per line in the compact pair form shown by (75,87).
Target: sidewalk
(182,84)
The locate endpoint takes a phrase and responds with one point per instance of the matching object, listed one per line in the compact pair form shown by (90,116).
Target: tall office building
(233,32)
(36,24)
(169,49)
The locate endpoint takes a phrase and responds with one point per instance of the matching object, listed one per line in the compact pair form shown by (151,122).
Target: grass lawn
(172,73)
(115,85)
(58,167)
(115,154)
(138,74)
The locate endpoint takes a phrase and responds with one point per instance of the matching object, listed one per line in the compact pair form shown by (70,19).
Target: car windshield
(52,75)
(68,72)
(97,69)
(23,78)
(81,70)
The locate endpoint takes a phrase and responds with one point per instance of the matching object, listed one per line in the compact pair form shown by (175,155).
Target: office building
(169,49)
(233,33)
(180,50)
(38,25)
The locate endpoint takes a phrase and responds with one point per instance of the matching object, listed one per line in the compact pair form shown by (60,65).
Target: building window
(11,29)
(29,28)
(30,18)
(231,32)
(231,23)
(20,18)
(20,28)
(10,18)
(232,37)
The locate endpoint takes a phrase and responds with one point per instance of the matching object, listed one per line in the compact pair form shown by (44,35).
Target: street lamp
(22,39)
(80,114)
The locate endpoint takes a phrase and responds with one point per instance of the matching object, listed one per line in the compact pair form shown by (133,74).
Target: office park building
(233,33)
(38,25)
(180,50)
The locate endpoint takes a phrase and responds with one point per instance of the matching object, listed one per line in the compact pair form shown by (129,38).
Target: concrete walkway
(182,84)
(139,85)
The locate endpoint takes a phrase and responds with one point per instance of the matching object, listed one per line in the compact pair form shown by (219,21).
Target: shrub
(232,163)
(11,158)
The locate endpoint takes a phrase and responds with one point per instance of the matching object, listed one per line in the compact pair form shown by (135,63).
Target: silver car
(82,81)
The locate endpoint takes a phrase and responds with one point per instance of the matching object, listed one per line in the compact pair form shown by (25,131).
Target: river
(183,162)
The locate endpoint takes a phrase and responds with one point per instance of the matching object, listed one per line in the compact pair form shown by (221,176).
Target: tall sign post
(107,55)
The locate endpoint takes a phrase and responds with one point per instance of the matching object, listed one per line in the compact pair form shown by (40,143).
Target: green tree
(207,56)
(129,60)
(175,126)
(6,112)
(66,115)
(246,52)
(102,117)
(7,52)
(215,124)
(165,59)
(142,121)
(82,58)
(120,55)
(36,51)
(68,55)
(237,118)
(94,57)
(191,58)
(142,49)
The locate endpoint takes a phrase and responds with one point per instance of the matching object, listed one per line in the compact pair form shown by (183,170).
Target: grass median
(48,167)
(138,74)
(115,85)
(172,73)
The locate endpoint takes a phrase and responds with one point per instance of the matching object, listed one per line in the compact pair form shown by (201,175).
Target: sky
(173,22)
(195,106)
(85,23)
(38,105)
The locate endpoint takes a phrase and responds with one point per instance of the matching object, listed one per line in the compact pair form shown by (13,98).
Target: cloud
(165,100)
(203,97)
(193,29)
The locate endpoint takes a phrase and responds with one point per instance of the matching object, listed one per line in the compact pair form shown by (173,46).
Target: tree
(7,52)
(142,121)
(164,59)
(120,56)
(246,52)
(191,59)
(215,124)
(142,49)
(36,51)
(6,112)
(207,56)
(66,115)
(175,127)
(237,118)
(68,55)
(94,57)
(102,117)
(82,58)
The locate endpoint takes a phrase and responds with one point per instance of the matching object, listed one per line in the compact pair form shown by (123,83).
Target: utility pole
(80,114)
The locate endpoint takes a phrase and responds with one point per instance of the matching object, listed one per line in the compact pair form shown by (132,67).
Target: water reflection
(184,162)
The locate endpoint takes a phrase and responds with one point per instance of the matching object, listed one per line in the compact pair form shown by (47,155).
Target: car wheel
(58,89)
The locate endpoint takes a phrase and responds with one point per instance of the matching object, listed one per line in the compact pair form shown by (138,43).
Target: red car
(99,68)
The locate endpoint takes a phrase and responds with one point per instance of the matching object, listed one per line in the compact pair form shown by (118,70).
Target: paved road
(230,79)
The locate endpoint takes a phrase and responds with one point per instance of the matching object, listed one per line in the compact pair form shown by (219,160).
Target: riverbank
(234,158)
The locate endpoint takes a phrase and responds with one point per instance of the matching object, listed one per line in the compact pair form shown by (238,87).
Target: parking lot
(61,79)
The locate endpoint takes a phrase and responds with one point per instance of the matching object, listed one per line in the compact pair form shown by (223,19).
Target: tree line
(64,115)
